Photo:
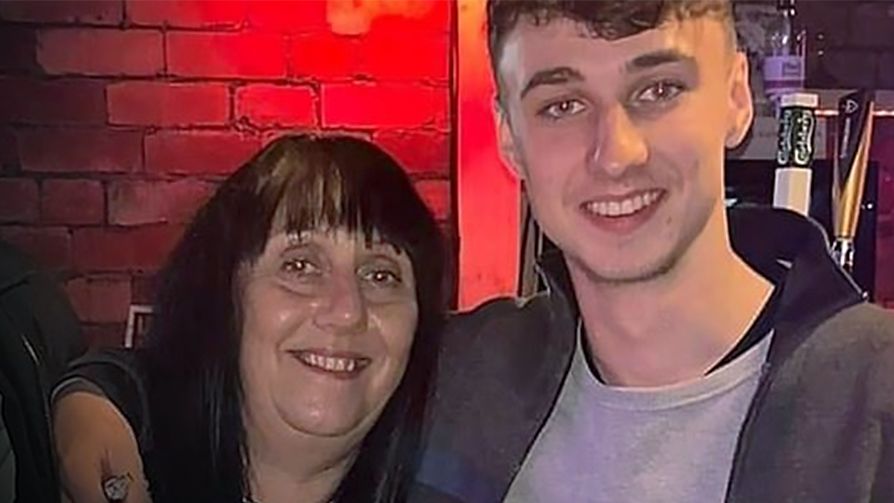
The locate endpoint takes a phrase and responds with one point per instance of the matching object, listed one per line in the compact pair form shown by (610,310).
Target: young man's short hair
(608,19)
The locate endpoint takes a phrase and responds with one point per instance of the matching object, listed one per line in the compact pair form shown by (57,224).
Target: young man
(682,353)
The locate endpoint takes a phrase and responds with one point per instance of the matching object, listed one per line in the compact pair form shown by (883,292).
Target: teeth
(638,203)
(626,207)
(332,364)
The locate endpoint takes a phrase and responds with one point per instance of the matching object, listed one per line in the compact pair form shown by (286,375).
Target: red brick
(383,105)
(9,148)
(198,152)
(67,101)
(137,203)
(19,196)
(103,12)
(268,105)
(115,249)
(73,202)
(71,150)
(423,152)
(226,55)
(276,15)
(395,56)
(100,300)
(165,104)
(325,56)
(414,17)
(350,18)
(88,51)
(436,194)
(186,13)
(49,246)
(17,50)
(144,288)
(109,335)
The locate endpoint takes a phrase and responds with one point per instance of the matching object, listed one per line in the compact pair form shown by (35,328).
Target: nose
(344,308)
(618,144)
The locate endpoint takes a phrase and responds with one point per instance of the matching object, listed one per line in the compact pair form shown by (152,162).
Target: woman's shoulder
(120,375)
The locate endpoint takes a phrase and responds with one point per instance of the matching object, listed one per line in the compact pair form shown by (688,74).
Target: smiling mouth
(335,364)
(624,207)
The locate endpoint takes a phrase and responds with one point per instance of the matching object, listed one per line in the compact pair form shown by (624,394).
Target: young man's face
(621,143)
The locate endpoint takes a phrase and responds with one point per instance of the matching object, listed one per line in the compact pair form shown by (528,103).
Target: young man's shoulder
(863,331)
(852,353)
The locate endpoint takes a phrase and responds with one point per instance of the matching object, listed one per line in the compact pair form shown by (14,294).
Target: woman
(295,333)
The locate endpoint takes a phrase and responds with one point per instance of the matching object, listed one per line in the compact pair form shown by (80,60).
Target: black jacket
(39,335)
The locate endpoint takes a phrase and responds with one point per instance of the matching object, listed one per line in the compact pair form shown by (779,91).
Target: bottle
(784,64)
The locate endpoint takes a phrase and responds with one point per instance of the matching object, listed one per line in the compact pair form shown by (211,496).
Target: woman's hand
(94,442)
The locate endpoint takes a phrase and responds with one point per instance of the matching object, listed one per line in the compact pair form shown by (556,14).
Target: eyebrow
(551,76)
(565,74)
(380,256)
(658,58)
(296,246)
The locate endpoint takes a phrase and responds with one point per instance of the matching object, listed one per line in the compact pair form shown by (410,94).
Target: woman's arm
(97,407)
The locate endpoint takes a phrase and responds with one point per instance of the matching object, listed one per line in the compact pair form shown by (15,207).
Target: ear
(740,100)
(508,147)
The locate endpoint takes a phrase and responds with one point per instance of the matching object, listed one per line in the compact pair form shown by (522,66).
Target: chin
(639,275)
(326,429)
(629,270)
(326,423)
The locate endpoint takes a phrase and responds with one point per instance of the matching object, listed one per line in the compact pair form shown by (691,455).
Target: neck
(280,469)
(677,326)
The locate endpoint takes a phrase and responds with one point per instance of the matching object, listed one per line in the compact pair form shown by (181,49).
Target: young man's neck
(676,327)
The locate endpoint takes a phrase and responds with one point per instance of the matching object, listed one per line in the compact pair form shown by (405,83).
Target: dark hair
(197,447)
(608,19)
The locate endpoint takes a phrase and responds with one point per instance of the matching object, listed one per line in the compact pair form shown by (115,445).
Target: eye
(659,92)
(299,267)
(561,109)
(381,277)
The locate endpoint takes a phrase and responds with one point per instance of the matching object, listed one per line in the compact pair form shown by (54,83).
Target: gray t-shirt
(7,464)
(669,444)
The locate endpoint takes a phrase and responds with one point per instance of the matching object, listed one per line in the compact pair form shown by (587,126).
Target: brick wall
(119,117)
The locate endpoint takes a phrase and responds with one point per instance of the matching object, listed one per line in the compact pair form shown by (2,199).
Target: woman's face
(328,324)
